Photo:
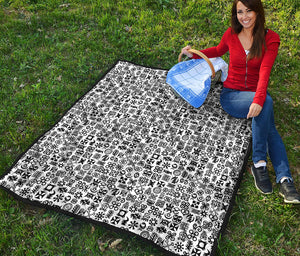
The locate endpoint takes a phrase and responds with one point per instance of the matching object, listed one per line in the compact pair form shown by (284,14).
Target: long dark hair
(259,27)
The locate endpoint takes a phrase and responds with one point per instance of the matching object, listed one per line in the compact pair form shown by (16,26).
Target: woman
(253,50)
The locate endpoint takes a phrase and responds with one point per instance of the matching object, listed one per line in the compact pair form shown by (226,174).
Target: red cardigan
(252,75)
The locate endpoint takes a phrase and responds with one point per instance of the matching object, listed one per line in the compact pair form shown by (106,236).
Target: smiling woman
(246,16)
(253,50)
(248,21)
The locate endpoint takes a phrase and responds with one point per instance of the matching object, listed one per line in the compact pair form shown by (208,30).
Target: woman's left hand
(254,110)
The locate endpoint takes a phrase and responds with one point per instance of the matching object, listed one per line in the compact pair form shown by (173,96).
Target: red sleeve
(216,51)
(272,42)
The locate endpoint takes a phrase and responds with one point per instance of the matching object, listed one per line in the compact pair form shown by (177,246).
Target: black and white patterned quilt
(133,155)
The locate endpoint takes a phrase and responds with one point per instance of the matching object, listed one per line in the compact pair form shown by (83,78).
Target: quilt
(131,155)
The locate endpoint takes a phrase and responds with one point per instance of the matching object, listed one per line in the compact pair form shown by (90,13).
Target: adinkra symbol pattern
(135,156)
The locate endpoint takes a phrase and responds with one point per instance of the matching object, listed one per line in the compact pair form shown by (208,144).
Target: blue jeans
(265,138)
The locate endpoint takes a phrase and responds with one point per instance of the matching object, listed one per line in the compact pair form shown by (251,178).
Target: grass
(52,52)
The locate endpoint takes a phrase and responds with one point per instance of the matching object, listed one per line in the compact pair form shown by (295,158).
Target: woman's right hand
(184,51)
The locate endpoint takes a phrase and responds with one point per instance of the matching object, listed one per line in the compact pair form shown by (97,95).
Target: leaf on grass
(102,245)
(64,5)
(92,229)
(128,29)
(297,147)
(115,243)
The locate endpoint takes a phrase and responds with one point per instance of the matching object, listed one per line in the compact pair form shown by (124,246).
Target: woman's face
(245,16)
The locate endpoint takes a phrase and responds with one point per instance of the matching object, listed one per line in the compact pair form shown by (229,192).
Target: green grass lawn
(53,51)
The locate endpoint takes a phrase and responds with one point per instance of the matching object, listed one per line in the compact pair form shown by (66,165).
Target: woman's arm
(270,55)
(265,71)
